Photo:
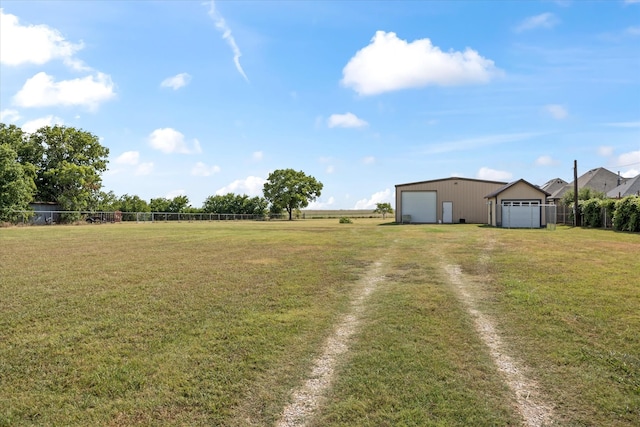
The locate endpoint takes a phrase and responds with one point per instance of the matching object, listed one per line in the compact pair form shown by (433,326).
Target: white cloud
(631,173)
(629,159)
(222,26)
(556,111)
(256,156)
(34,44)
(330,169)
(175,193)
(369,160)
(128,158)
(33,125)
(42,91)
(169,140)
(319,204)
(201,169)
(144,169)
(624,124)
(177,81)
(347,120)
(379,197)
(546,161)
(9,116)
(544,20)
(605,151)
(251,186)
(389,64)
(493,175)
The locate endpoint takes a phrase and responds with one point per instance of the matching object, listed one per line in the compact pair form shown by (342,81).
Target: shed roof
(451,179)
(511,184)
(630,187)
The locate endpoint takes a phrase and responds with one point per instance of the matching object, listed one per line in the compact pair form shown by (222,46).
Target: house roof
(598,179)
(630,187)
(450,179)
(511,184)
(554,185)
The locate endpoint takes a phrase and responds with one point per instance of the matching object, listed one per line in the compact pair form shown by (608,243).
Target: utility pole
(576,210)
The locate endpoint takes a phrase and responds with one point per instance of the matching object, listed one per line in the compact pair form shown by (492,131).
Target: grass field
(217,323)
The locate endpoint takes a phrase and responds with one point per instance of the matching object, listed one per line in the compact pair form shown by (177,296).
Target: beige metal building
(518,204)
(448,200)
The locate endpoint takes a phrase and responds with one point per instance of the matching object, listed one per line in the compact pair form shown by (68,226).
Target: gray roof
(598,179)
(554,185)
(630,186)
(511,184)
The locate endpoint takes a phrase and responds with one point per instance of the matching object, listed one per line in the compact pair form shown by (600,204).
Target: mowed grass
(216,323)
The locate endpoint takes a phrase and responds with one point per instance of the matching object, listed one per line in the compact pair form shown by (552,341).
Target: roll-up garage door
(421,205)
(521,214)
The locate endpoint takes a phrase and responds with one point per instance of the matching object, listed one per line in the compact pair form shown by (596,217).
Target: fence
(67,217)
(565,216)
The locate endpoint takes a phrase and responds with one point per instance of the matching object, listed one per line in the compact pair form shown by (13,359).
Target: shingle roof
(598,179)
(554,185)
(629,187)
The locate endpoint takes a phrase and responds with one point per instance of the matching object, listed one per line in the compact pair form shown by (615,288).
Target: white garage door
(521,214)
(421,205)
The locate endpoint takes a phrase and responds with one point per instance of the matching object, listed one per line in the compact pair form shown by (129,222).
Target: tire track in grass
(532,407)
(307,398)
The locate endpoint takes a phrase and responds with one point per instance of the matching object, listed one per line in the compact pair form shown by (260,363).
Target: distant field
(352,213)
(217,323)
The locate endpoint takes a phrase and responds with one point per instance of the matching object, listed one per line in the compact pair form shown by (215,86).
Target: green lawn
(216,323)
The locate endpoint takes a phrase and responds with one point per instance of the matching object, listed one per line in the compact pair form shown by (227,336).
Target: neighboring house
(627,187)
(598,179)
(554,185)
(447,200)
(517,205)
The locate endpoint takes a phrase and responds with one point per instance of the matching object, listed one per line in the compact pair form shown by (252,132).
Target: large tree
(231,203)
(290,189)
(69,168)
(17,172)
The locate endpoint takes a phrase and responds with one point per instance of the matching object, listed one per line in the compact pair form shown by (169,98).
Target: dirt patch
(534,410)
(306,399)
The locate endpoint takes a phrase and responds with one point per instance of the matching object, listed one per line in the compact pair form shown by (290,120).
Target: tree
(16,183)
(159,204)
(289,189)
(384,209)
(584,193)
(69,163)
(231,203)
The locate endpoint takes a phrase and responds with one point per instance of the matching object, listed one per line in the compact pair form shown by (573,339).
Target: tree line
(64,165)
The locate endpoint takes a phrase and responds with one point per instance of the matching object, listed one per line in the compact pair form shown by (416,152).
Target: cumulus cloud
(389,63)
(9,116)
(222,26)
(605,151)
(144,169)
(347,120)
(128,158)
(384,196)
(556,111)
(42,91)
(629,159)
(34,44)
(33,125)
(493,175)
(177,81)
(202,169)
(169,140)
(251,186)
(369,160)
(544,20)
(546,161)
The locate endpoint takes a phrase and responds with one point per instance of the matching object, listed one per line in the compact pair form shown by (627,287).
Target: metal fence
(69,217)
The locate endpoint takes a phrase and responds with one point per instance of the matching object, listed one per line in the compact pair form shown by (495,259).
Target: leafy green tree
(584,193)
(231,203)
(130,205)
(69,165)
(16,183)
(384,209)
(159,204)
(289,189)
(179,204)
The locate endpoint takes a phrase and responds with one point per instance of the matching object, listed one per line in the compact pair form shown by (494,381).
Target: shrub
(592,213)
(345,220)
(627,214)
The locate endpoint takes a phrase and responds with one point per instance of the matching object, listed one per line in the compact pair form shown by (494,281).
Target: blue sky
(202,98)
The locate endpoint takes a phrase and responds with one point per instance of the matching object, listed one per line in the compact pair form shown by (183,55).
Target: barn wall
(467,196)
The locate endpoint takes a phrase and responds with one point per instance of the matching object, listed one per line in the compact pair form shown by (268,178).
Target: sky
(204,98)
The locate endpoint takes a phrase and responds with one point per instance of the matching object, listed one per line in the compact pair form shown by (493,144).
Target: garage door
(521,214)
(421,205)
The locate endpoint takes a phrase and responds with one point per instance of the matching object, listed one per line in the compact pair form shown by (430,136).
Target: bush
(345,220)
(591,213)
(627,214)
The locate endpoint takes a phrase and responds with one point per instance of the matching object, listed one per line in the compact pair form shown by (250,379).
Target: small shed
(447,201)
(518,204)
